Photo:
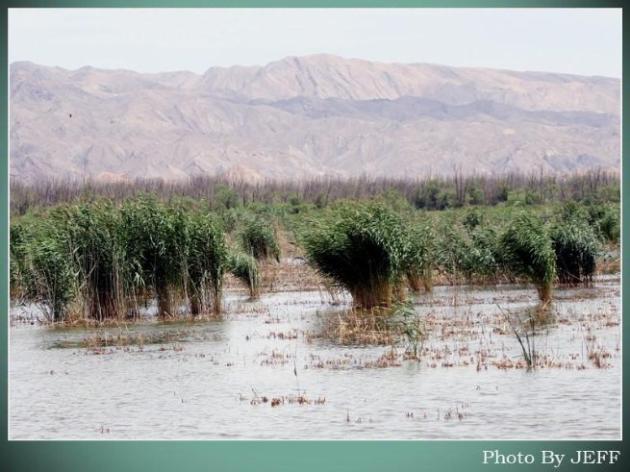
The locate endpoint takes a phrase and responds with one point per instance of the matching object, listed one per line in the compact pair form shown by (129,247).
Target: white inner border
(7,268)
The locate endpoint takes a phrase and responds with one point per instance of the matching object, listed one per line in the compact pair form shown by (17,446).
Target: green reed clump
(245,268)
(418,259)
(156,244)
(362,247)
(480,259)
(471,253)
(527,251)
(473,219)
(605,220)
(42,266)
(53,275)
(576,248)
(451,250)
(258,238)
(20,269)
(574,211)
(108,257)
(97,248)
(207,262)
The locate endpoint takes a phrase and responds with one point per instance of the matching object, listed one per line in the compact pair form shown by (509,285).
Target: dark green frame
(278,456)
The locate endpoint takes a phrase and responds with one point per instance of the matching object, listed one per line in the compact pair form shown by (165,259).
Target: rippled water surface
(265,372)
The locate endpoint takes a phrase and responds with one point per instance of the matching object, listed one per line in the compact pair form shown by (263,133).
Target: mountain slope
(305,117)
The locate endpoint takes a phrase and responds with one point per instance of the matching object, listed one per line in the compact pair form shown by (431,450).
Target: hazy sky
(580,41)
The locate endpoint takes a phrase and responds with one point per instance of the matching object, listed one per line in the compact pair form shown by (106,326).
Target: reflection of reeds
(298,399)
(362,327)
(372,327)
(123,338)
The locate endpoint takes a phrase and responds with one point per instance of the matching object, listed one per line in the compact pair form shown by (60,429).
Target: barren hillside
(308,116)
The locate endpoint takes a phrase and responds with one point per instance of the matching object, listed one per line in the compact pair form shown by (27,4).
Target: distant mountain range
(310,116)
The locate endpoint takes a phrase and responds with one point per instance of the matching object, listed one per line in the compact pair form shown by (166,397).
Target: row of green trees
(106,261)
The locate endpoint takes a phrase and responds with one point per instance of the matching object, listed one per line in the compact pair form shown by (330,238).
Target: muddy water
(218,379)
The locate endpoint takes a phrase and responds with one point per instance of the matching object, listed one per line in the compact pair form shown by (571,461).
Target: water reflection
(207,380)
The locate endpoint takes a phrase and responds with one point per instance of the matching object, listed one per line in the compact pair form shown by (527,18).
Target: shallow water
(207,380)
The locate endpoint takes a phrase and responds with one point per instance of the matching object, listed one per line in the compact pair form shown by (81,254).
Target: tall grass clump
(94,240)
(473,219)
(155,238)
(481,259)
(471,253)
(605,220)
(362,247)
(53,275)
(451,251)
(207,262)
(20,273)
(419,259)
(576,248)
(258,238)
(42,267)
(527,251)
(245,268)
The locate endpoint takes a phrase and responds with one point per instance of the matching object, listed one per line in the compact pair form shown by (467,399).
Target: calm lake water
(210,380)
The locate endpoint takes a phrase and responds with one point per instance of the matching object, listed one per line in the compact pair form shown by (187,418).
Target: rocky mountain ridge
(304,117)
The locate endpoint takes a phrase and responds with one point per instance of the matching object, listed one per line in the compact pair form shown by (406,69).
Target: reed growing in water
(207,262)
(258,238)
(97,250)
(108,258)
(362,247)
(41,266)
(245,268)
(419,260)
(576,248)
(102,259)
(527,251)
(155,242)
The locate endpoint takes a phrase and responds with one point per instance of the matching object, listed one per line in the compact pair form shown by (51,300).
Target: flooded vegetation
(295,365)
(395,314)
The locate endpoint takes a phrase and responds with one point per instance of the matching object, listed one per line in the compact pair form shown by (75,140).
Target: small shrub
(433,196)
(475,195)
(472,219)
(225,198)
(532,198)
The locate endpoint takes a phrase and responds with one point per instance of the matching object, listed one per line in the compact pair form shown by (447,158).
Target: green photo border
(277,456)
